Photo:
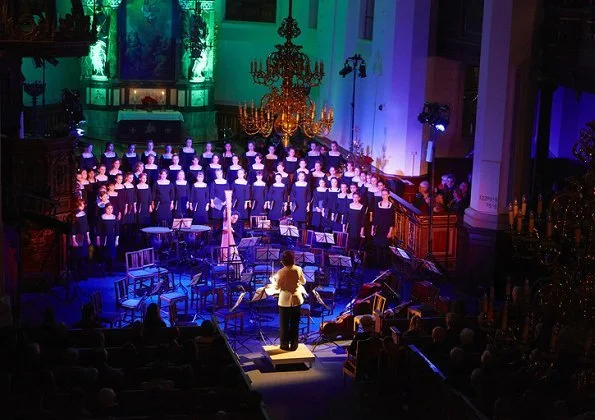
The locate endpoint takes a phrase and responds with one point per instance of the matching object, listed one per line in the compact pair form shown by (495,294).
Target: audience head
(367,322)
(466,336)
(153,316)
(464,187)
(457,356)
(438,335)
(450,181)
(106,398)
(207,328)
(424,187)
(415,323)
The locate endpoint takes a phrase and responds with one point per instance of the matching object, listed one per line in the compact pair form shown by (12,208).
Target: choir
(322,192)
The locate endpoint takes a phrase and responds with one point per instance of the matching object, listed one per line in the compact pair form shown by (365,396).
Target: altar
(140,125)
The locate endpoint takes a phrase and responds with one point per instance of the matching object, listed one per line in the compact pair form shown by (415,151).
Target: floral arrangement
(148,100)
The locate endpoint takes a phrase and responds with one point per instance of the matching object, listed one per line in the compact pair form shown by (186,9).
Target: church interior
(279,209)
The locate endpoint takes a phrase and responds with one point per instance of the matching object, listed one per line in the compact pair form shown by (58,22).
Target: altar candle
(515,206)
(163,96)
(539,204)
(519,223)
(510,215)
(134,96)
(523,205)
(549,227)
(531,223)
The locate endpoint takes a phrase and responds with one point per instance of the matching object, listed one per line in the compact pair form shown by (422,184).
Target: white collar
(348,174)
(81,213)
(259,183)
(207,154)
(257,165)
(353,206)
(301,183)
(186,149)
(271,157)
(241,181)
(331,153)
(214,165)
(100,177)
(150,166)
(119,186)
(175,167)
(311,153)
(200,184)
(342,195)
(321,189)
(196,167)
(318,174)
(279,184)
(334,189)
(167,155)
(108,216)
(130,154)
(227,154)
(382,207)
(181,182)
(304,170)
(84,182)
(163,181)
(350,196)
(128,185)
(86,155)
(142,186)
(220,181)
(150,152)
(251,153)
(291,159)
(109,154)
(117,172)
(235,167)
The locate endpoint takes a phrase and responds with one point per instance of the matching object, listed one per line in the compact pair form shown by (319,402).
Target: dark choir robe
(319,207)
(152,173)
(276,196)
(165,160)
(300,197)
(250,158)
(206,158)
(193,171)
(226,162)
(334,159)
(163,195)
(143,202)
(312,158)
(144,156)
(129,162)
(186,156)
(332,203)
(356,220)
(382,219)
(217,189)
(199,200)
(241,198)
(88,161)
(231,173)
(291,165)
(127,204)
(211,174)
(80,228)
(254,169)
(343,201)
(180,198)
(259,193)
(108,159)
(173,171)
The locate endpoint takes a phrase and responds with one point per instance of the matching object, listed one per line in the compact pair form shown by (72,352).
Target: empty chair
(132,307)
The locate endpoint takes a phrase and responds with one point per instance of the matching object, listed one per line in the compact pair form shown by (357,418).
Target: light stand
(352,64)
(437,116)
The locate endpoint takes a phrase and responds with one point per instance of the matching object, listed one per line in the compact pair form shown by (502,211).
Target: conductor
(290,281)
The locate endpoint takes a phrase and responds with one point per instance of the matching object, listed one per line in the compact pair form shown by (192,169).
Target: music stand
(233,309)
(267,254)
(402,256)
(289,232)
(303,257)
(248,242)
(322,338)
(324,238)
(429,265)
(259,295)
(264,224)
(339,262)
(184,223)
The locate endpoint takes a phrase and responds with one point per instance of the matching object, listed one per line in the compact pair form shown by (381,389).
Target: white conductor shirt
(289,280)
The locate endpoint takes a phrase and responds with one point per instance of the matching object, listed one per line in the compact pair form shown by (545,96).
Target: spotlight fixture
(436,115)
(345,70)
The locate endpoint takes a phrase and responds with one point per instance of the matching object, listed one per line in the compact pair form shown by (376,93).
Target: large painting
(147,40)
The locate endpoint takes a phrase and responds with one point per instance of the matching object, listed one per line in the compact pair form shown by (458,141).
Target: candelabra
(287,107)
(34,90)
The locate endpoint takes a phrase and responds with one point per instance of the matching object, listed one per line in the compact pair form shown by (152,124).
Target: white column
(494,118)
(406,31)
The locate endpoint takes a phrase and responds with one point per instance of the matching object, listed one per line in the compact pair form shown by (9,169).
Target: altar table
(142,125)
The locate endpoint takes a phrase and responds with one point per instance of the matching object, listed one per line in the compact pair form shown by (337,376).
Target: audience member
(153,320)
(367,322)
(415,329)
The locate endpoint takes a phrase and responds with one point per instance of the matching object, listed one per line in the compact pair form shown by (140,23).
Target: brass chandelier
(286,107)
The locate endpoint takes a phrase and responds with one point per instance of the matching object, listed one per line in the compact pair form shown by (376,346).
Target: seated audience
(367,322)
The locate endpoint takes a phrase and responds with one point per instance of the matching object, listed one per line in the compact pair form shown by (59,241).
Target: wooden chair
(200,289)
(233,317)
(174,319)
(378,304)
(425,293)
(127,305)
(305,319)
(363,365)
(170,295)
(105,318)
(306,239)
(141,269)
(341,242)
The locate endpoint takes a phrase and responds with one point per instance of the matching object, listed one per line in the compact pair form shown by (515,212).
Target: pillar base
(482,220)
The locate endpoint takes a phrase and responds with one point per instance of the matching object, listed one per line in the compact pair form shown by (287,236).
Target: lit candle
(163,96)
(523,205)
(549,227)
(539,204)
(134,97)
(531,223)
(515,206)
(519,223)
(510,215)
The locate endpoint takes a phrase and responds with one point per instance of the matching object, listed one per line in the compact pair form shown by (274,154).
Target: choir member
(166,158)
(127,201)
(250,155)
(142,201)
(180,196)
(194,169)
(270,161)
(334,157)
(115,170)
(343,201)
(277,199)
(291,163)
(226,158)
(383,222)
(103,199)
(212,168)
(207,156)
(313,155)
(186,154)
(241,195)
(101,177)
(217,190)
(332,173)
(378,194)
(108,236)
(357,175)
(323,156)
(422,198)
(199,202)
(152,170)
(259,191)
(138,171)
(80,241)
(256,167)
(129,159)
(87,159)
(464,187)
(302,167)
(174,168)
(319,204)
(91,191)
(108,156)
(349,174)
(163,199)
(332,202)
(355,222)
(231,173)
(144,156)
(316,174)
(372,187)
(284,175)
(114,197)
(300,200)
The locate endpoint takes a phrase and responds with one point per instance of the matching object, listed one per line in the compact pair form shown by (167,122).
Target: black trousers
(289,320)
